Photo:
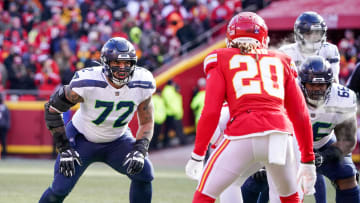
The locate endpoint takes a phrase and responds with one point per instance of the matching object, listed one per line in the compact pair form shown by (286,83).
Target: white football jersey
(328,51)
(339,106)
(106,111)
(223,120)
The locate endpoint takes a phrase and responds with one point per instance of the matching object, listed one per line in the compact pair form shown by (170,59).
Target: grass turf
(24,180)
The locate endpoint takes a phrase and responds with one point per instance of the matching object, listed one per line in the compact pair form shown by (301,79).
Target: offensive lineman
(108,96)
(332,109)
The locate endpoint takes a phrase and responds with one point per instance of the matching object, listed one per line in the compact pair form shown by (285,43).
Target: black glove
(331,154)
(135,158)
(319,160)
(260,175)
(67,159)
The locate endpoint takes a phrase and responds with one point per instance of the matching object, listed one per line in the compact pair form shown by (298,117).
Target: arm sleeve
(214,98)
(298,113)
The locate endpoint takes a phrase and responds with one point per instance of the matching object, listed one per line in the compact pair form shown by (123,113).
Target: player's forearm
(301,121)
(145,131)
(205,130)
(346,135)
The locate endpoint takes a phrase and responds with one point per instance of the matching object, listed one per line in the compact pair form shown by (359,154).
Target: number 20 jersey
(261,91)
(253,86)
(339,106)
(106,111)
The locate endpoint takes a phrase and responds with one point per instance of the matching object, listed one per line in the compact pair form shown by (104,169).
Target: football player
(310,39)
(258,85)
(108,95)
(332,109)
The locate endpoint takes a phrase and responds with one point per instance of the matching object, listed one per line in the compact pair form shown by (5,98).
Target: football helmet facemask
(316,70)
(247,27)
(118,49)
(310,32)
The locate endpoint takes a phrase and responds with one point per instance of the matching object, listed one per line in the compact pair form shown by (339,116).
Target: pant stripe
(211,164)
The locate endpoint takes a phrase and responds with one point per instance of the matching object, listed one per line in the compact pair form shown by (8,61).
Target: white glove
(306,177)
(194,167)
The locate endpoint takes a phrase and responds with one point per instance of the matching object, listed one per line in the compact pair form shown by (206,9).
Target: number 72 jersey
(339,106)
(106,111)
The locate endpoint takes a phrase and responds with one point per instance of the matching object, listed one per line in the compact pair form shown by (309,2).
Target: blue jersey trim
(141,84)
(88,83)
(333,60)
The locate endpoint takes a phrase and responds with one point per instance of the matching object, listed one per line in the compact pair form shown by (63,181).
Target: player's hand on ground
(194,167)
(260,175)
(306,177)
(68,157)
(135,161)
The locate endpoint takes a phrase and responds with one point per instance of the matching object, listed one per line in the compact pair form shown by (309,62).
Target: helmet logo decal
(256,29)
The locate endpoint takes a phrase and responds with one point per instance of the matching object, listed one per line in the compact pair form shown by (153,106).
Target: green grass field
(24,180)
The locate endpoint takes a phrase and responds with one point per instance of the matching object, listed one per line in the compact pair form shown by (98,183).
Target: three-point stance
(108,96)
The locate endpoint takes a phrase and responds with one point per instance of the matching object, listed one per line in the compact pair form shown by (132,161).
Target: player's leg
(62,185)
(284,176)
(141,186)
(224,167)
(253,189)
(320,188)
(343,176)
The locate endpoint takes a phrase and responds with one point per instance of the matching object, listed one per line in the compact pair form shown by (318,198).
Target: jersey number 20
(271,76)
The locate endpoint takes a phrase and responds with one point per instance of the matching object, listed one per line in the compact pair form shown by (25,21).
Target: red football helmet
(247,27)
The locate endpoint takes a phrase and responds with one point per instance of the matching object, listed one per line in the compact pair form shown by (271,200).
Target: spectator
(4,126)
(159,116)
(174,111)
(19,76)
(48,78)
(197,103)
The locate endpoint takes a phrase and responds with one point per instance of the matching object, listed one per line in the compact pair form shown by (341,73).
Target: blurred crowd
(349,49)
(44,42)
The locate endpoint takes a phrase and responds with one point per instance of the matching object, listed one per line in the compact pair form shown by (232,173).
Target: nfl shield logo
(117,93)
(256,29)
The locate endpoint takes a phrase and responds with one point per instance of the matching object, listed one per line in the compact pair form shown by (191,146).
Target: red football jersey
(262,94)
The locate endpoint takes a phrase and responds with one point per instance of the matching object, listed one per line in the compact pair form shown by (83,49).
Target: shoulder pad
(210,61)
(341,99)
(88,73)
(89,77)
(286,47)
(330,52)
(142,78)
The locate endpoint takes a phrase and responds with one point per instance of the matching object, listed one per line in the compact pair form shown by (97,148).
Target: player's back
(254,89)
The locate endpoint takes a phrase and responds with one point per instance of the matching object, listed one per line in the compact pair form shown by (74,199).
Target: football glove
(68,157)
(194,167)
(306,177)
(260,175)
(135,158)
(331,154)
